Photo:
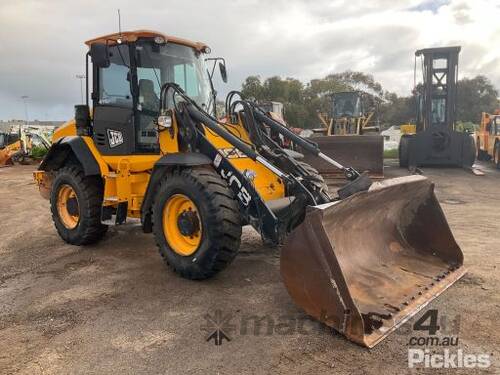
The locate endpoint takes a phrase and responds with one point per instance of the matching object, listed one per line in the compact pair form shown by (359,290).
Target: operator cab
(347,104)
(128,71)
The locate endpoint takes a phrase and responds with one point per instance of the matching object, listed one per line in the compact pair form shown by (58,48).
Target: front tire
(403,151)
(196,223)
(75,203)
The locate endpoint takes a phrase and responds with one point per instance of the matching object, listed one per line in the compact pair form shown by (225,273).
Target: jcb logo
(115,138)
(231,179)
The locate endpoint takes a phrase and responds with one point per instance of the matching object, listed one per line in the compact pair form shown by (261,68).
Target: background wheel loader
(10,144)
(18,145)
(488,138)
(362,261)
(351,134)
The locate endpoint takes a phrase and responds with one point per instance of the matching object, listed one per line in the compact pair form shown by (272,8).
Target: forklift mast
(437,101)
(436,142)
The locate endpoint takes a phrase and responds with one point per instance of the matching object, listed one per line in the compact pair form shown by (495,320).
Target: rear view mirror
(100,55)
(223,72)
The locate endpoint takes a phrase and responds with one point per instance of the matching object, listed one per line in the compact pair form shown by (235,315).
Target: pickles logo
(115,138)
(424,351)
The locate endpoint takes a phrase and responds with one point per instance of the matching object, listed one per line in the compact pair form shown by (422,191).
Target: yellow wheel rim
(182,225)
(67,207)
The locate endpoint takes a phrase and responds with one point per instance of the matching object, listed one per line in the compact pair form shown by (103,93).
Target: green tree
(358,81)
(397,110)
(475,95)
(252,88)
(302,101)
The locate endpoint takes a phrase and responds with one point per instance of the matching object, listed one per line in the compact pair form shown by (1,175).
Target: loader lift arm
(311,147)
(264,151)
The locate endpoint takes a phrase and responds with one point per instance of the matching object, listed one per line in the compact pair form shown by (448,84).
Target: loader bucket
(366,264)
(362,152)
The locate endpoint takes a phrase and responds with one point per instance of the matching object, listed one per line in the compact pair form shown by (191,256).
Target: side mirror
(100,55)
(223,72)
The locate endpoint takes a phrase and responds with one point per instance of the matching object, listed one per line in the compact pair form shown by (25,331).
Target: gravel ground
(115,307)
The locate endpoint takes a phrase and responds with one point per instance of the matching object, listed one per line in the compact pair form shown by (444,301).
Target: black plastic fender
(63,148)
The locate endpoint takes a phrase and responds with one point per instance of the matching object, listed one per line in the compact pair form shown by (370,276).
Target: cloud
(41,42)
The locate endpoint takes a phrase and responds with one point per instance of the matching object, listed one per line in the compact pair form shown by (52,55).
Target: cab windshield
(158,64)
(346,104)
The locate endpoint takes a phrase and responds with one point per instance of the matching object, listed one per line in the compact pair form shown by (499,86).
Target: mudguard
(63,148)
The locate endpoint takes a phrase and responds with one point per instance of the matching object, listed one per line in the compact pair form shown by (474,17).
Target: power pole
(81,77)
(23,142)
(24,98)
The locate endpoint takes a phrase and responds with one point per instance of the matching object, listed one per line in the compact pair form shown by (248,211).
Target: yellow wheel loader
(14,147)
(152,149)
(350,133)
(488,138)
(10,145)
(18,146)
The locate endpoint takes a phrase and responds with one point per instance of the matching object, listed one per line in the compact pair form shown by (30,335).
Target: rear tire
(481,154)
(496,155)
(82,225)
(469,156)
(217,219)
(403,151)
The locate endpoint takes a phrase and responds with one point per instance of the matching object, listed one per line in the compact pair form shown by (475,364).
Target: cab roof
(132,36)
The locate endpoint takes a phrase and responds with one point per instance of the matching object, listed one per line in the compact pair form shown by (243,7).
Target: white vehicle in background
(392,136)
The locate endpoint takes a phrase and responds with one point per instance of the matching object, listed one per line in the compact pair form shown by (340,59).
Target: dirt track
(115,307)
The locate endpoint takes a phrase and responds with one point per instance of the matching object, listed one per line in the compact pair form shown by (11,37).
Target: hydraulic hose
(221,132)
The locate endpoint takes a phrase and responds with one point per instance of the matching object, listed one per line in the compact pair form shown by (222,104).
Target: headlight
(165,121)
(159,40)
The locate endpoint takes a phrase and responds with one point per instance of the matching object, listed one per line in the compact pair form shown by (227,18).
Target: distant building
(8,125)
(392,136)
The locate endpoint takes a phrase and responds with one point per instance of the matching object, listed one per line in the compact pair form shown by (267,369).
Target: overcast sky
(41,41)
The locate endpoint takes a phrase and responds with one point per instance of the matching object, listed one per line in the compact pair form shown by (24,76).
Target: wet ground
(115,307)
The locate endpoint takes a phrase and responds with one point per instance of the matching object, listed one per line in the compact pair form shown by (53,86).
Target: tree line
(302,101)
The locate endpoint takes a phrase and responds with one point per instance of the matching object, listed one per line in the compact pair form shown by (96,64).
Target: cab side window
(114,81)
(149,89)
(185,77)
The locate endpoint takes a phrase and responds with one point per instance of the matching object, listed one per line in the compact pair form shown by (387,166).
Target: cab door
(484,135)
(113,104)
(496,137)
(489,135)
